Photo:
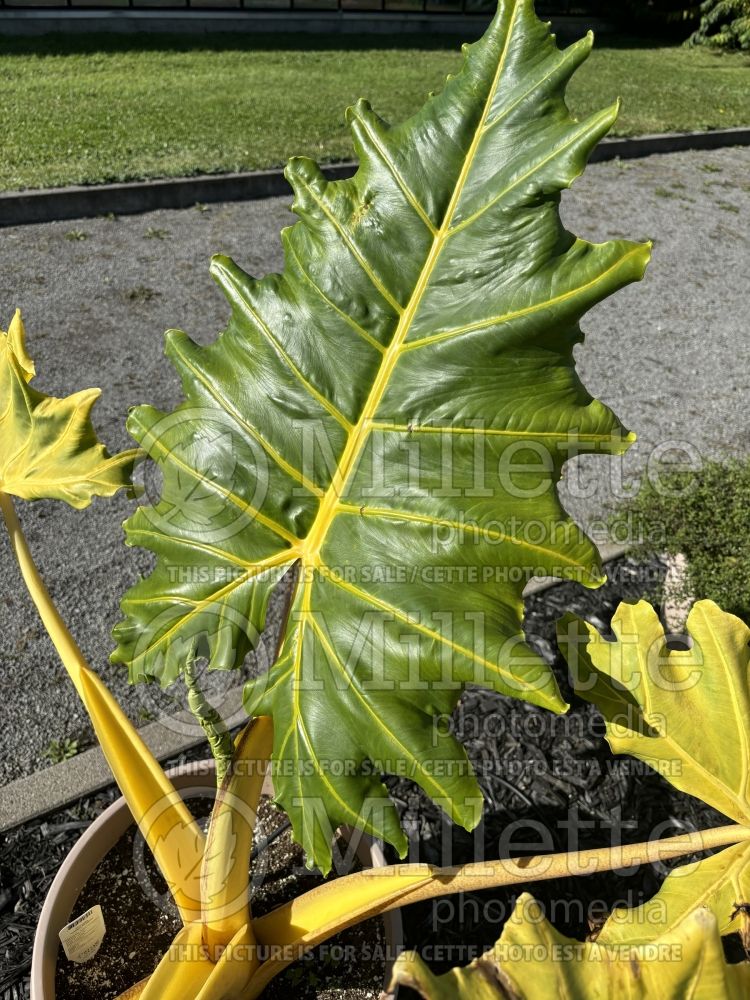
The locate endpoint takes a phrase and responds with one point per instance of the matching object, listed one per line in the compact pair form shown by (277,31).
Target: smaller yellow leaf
(533,961)
(685,713)
(49,447)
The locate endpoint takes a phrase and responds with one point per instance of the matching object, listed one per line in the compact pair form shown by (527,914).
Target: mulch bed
(537,771)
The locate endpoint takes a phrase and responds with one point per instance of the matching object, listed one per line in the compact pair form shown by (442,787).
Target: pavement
(671,355)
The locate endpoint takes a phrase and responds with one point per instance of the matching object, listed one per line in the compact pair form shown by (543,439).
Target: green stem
(217,734)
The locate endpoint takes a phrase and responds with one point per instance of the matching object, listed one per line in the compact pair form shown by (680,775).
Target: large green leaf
(48,446)
(685,713)
(391,414)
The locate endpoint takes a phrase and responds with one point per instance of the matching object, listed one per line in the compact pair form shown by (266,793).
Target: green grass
(101,109)
(703,514)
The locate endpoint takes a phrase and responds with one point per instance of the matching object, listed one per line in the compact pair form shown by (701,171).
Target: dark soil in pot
(138,932)
(350,966)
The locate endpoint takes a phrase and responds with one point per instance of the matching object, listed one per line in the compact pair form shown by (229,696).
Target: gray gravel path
(671,355)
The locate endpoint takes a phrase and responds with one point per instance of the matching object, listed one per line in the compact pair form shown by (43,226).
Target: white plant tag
(82,937)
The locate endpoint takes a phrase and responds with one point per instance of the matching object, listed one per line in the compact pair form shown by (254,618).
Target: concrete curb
(669,142)
(54,787)
(197,20)
(55,204)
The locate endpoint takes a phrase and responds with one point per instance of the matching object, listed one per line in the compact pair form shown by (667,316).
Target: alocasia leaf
(533,961)
(686,713)
(399,403)
(48,447)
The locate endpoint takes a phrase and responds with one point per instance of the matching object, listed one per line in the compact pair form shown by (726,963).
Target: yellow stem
(326,910)
(225,890)
(165,821)
(543,867)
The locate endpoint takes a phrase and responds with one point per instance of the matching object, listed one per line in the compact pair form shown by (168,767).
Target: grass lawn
(100,109)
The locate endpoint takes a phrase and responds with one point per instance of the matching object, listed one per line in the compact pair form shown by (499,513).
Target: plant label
(82,937)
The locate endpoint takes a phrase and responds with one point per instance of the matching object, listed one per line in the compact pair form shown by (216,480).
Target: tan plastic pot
(98,839)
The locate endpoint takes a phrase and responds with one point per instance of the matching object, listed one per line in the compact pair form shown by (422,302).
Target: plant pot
(103,834)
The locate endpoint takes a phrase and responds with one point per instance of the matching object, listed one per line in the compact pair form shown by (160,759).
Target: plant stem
(330,908)
(316,915)
(58,632)
(224,871)
(217,734)
(543,867)
(175,839)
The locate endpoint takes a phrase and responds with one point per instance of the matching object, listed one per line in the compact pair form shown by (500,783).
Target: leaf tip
(612,113)
(549,697)
(175,343)
(133,422)
(592,581)
(16,340)
(472,818)
(359,109)
(219,265)
(89,396)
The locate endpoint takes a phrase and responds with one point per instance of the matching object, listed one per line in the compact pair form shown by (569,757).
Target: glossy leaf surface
(391,415)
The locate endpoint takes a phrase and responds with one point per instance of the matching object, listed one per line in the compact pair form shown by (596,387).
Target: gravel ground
(669,355)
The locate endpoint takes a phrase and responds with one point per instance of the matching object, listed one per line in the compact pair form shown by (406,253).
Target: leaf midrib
(15,485)
(310,549)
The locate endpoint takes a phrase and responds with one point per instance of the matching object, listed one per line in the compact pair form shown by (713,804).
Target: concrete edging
(56,204)
(52,788)
(34,21)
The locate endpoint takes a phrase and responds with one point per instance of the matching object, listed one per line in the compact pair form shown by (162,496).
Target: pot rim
(78,866)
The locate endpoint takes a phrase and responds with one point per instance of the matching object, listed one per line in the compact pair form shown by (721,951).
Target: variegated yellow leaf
(686,713)
(48,446)
(532,961)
